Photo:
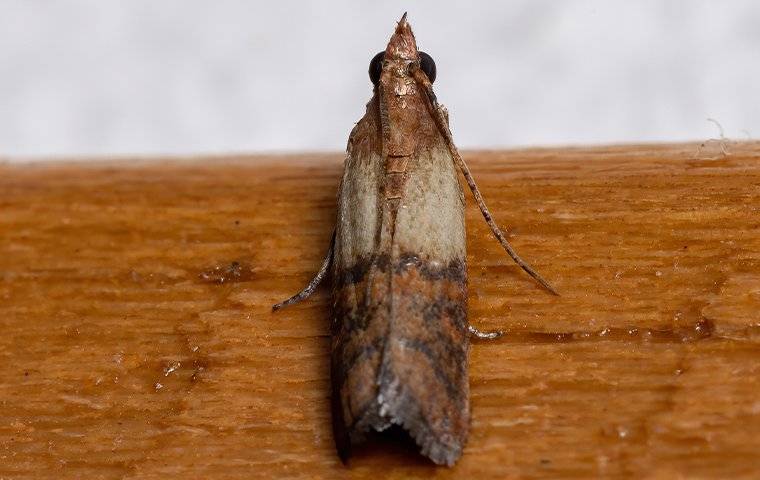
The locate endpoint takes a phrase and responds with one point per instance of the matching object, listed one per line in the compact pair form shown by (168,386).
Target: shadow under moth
(399,329)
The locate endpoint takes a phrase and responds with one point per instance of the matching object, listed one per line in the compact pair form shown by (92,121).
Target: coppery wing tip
(403,19)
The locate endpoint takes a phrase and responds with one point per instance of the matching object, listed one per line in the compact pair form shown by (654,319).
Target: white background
(165,77)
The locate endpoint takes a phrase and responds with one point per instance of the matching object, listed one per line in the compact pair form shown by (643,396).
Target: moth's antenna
(440,120)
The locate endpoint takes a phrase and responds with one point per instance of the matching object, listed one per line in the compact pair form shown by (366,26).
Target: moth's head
(400,58)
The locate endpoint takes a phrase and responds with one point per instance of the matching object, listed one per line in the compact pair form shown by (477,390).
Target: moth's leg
(474,332)
(441,119)
(309,289)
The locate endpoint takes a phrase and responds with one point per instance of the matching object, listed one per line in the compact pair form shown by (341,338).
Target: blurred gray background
(113,77)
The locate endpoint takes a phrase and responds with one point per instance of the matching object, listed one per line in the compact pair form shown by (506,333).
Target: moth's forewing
(399,332)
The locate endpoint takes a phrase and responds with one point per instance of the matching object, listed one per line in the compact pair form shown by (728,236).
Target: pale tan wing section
(430,219)
(358,209)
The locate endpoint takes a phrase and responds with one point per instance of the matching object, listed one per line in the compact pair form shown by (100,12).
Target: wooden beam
(138,341)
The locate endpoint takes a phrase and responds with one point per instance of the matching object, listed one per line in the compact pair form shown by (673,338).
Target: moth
(399,329)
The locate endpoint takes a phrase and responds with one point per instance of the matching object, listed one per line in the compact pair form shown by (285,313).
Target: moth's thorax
(408,123)
(397,82)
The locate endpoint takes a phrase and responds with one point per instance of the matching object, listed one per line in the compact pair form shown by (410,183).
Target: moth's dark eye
(376,67)
(428,66)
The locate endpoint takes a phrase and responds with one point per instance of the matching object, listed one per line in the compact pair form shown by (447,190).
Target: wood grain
(138,342)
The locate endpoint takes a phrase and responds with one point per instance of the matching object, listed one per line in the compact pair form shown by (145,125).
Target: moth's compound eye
(376,67)
(428,66)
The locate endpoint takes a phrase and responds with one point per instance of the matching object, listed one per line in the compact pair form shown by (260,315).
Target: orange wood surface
(138,341)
